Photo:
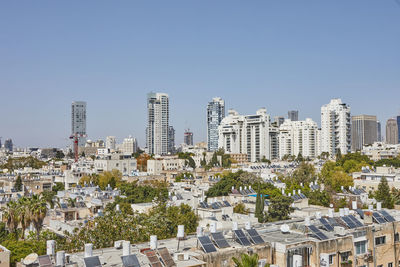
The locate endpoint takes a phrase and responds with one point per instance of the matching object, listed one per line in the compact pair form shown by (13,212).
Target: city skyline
(281,56)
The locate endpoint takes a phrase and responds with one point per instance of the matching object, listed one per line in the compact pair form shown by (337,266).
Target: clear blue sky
(278,54)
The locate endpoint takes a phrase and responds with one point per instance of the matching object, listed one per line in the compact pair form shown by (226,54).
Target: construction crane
(76,137)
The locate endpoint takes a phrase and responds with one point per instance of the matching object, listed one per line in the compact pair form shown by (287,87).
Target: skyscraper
(398,129)
(293,115)
(379,131)
(8,145)
(363,131)
(335,128)
(158,123)
(78,121)
(171,139)
(215,114)
(392,131)
(188,138)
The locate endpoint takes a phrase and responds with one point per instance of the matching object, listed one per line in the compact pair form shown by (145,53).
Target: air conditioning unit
(340,230)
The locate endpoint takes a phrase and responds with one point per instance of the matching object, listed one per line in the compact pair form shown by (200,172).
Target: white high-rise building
(110,142)
(129,146)
(158,122)
(249,135)
(215,114)
(335,128)
(298,137)
(78,121)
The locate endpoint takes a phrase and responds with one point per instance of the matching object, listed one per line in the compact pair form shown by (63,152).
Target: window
(380,265)
(361,247)
(380,240)
(345,256)
(390,264)
(331,257)
(396,237)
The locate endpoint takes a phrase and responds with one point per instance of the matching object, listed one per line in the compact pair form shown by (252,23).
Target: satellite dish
(30,259)
(285,228)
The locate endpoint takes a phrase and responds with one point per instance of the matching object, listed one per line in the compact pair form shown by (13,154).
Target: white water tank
(88,250)
(330,213)
(307,221)
(318,215)
(117,208)
(126,248)
(181,231)
(346,211)
(60,258)
(51,247)
(378,205)
(213,227)
(248,225)
(199,231)
(234,226)
(153,242)
(354,205)
(341,212)
(370,207)
(297,261)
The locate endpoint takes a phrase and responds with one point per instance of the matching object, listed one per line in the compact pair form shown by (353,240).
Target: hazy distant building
(363,131)
(293,115)
(110,142)
(215,114)
(398,129)
(171,139)
(78,121)
(8,145)
(379,131)
(129,146)
(158,123)
(392,131)
(279,120)
(188,138)
(335,128)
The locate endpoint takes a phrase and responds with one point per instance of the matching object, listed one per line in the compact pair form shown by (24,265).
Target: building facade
(158,123)
(392,131)
(188,138)
(78,121)
(398,129)
(293,115)
(364,130)
(111,143)
(129,146)
(298,138)
(215,115)
(171,139)
(379,131)
(249,135)
(335,128)
(8,145)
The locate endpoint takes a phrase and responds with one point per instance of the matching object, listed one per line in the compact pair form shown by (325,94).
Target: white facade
(215,114)
(158,123)
(246,135)
(129,146)
(78,121)
(111,142)
(335,128)
(298,137)
(127,165)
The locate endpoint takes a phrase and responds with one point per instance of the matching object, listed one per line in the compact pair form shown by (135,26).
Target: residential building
(215,115)
(129,146)
(126,164)
(8,145)
(158,123)
(171,139)
(363,131)
(398,129)
(78,121)
(111,143)
(293,115)
(246,134)
(392,131)
(335,128)
(381,150)
(279,120)
(298,138)
(188,138)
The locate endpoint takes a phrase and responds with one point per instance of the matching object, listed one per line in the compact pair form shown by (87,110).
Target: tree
(59,186)
(304,174)
(265,160)
(38,208)
(260,202)
(59,154)
(25,214)
(383,194)
(240,208)
(279,208)
(12,215)
(18,184)
(190,162)
(246,260)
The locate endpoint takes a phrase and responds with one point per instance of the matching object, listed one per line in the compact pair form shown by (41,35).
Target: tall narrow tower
(215,114)
(157,123)
(78,121)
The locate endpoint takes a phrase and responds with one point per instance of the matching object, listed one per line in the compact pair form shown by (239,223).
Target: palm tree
(246,260)
(12,216)
(38,208)
(25,214)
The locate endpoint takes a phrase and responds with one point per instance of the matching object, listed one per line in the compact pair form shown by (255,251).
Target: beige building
(392,131)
